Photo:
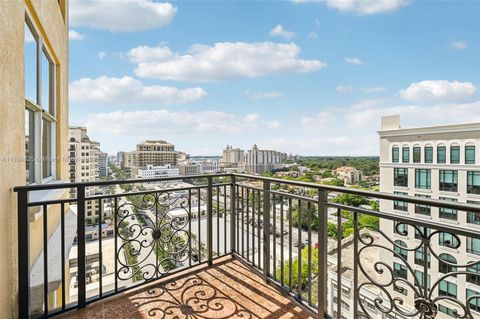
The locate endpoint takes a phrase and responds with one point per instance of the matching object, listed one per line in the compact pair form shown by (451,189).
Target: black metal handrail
(254,225)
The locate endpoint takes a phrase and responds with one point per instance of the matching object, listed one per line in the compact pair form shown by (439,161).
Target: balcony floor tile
(228,289)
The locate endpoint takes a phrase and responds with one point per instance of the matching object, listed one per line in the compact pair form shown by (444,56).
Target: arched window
(445,268)
(441,154)
(470,153)
(454,154)
(395,154)
(428,153)
(417,153)
(405,154)
(402,252)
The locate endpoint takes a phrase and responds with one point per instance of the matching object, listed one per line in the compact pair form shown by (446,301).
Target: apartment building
(156,153)
(261,161)
(151,171)
(349,175)
(34,112)
(438,162)
(232,155)
(103,164)
(84,166)
(189,168)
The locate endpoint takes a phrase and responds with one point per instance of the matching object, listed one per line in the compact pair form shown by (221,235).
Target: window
(448,180)
(423,209)
(400,251)
(422,178)
(446,288)
(428,154)
(470,154)
(400,270)
(474,274)
(447,240)
(455,154)
(475,302)
(473,246)
(448,213)
(473,218)
(29,146)
(473,182)
(40,106)
(447,311)
(417,154)
(400,205)
(419,276)
(405,154)
(420,258)
(395,154)
(400,177)
(424,232)
(441,154)
(400,228)
(447,267)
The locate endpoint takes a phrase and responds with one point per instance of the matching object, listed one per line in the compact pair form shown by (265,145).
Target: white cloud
(373,89)
(362,7)
(147,123)
(312,35)
(458,45)
(279,31)
(75,36)
(344,89)
(121,15)
(439,90)
(336,130)
(222,61)
(129,91)
(258,95)
(354,61)
(351,130)
(102,55)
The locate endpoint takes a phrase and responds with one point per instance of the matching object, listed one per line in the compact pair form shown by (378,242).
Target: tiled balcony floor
(228,289)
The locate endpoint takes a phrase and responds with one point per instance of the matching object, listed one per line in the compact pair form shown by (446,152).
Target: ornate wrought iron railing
(339,259)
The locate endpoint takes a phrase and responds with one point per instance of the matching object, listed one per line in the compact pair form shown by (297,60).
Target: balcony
(233,245)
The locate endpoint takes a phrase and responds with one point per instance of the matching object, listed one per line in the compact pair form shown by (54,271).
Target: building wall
(48,16)
(431,136)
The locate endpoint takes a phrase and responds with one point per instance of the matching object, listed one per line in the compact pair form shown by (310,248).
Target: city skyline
(303,78)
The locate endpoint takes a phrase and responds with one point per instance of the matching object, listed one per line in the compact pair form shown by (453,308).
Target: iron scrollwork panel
(151,239)
(384,278)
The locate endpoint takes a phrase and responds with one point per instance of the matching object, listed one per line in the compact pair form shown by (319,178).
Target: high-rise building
(84,166)
(232,155)
(103,164)
(261,161)
(34,113)
(156,153)
(438,162)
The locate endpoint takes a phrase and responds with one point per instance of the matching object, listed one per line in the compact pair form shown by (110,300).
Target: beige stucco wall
(48,17)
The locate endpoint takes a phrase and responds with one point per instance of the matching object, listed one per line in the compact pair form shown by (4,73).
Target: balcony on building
(230,246)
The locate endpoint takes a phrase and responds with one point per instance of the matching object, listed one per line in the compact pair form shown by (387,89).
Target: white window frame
(41,113)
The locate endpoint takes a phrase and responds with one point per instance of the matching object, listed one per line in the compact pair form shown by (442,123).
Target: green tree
(304,270)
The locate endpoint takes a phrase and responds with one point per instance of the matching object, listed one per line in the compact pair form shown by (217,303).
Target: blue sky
(307,77)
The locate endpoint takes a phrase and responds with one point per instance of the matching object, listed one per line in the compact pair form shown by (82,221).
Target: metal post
(23,256)
(81,246)
(266,229)
(209,221)
(322,253)
(233,212)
